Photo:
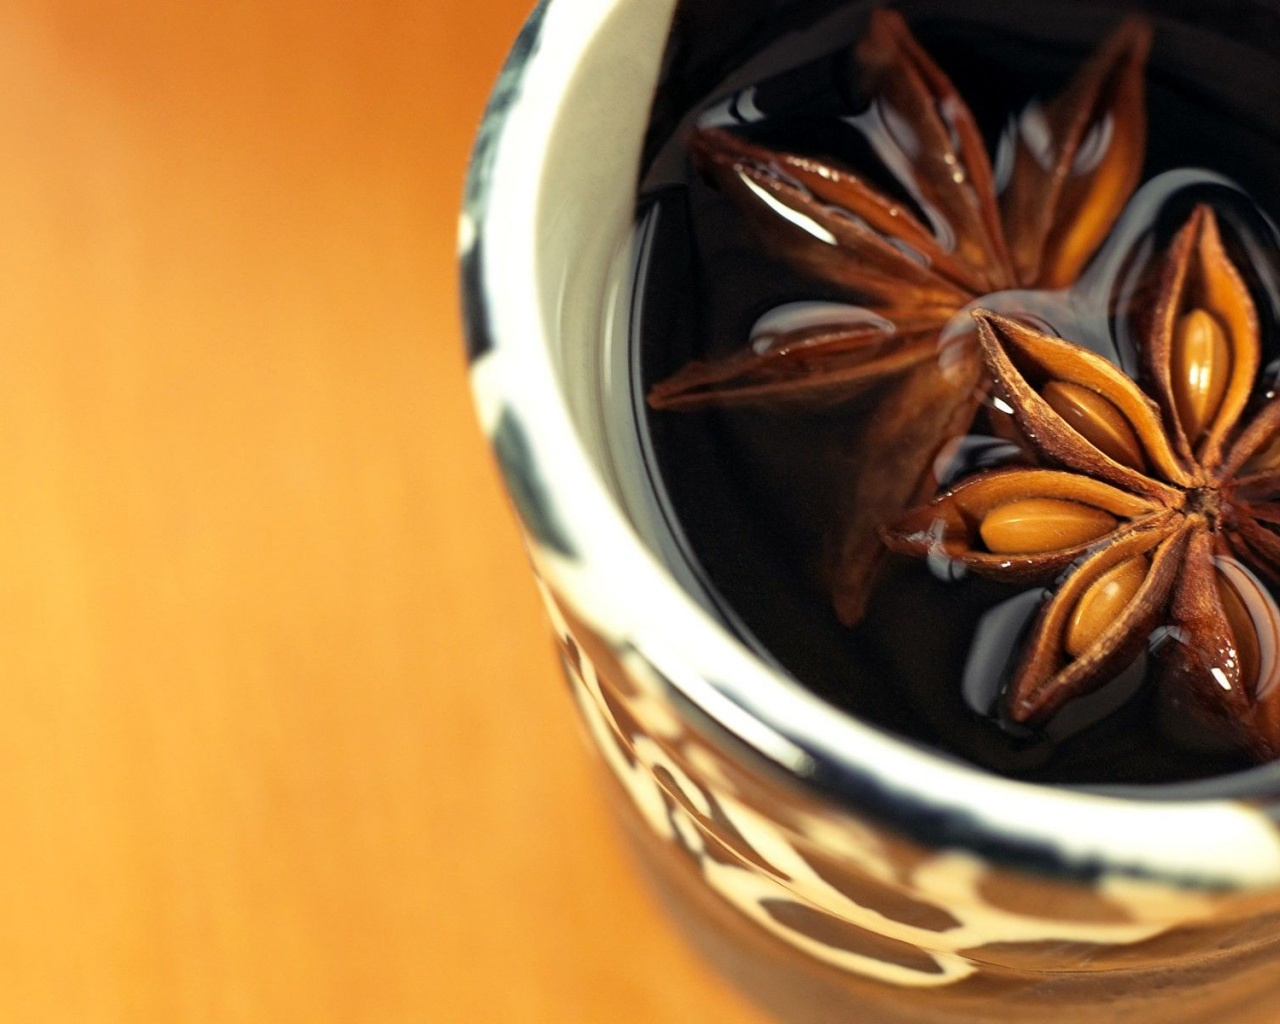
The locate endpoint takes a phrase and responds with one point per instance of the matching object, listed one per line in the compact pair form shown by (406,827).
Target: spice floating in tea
(1052,505)
(829,222)
(1159,517)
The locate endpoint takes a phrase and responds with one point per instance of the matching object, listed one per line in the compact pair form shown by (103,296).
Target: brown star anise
(1075,162)
(1163,510)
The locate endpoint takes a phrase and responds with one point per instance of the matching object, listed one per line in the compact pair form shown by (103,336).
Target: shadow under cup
(833,871)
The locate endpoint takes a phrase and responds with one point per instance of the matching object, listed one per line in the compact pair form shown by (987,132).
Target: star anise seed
(1028,525)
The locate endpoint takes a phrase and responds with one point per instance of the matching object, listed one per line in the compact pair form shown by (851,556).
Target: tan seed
(1201,367)
(1097,419)
(1043,524)
(1102,602)
(1243,632)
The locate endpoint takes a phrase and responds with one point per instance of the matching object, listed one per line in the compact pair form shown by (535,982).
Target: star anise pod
(1075,162)
(1159,514)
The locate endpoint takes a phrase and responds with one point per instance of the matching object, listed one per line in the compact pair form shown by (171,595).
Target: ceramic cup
(832,870)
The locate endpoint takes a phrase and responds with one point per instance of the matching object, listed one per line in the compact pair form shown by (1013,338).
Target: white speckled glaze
(876,867)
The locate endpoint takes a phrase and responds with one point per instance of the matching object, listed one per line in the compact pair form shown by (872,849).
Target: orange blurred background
(283,738)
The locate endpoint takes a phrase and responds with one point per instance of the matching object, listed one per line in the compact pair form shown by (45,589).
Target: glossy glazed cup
(835,872)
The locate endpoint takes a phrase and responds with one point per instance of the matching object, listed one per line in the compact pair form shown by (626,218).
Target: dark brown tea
(1045,538)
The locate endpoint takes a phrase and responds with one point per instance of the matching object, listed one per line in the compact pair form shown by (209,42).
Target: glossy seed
(1105,599)
(1043,524)
(1097,419)
(1243,632)
(1201,367)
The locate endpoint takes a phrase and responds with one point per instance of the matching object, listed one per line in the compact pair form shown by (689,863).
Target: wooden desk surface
(284,739)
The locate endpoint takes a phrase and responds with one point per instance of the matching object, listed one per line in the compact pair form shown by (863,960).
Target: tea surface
(759,490)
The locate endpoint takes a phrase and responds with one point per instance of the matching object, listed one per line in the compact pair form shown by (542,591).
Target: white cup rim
(1172,834)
